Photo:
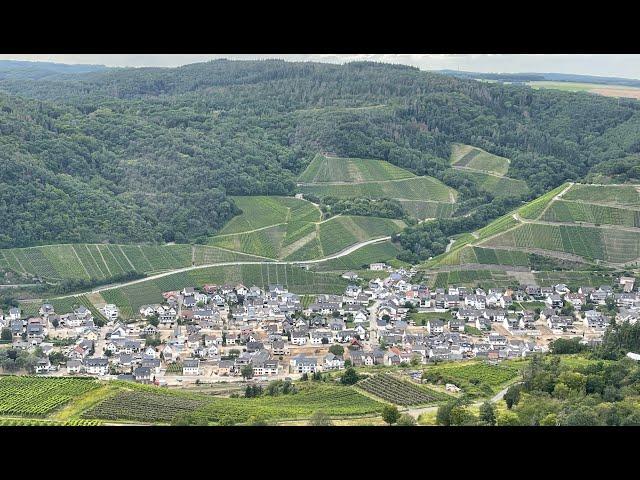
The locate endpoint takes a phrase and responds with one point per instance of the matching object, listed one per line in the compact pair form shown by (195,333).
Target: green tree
(349,377)
(6,334)
(320,419)
(336,349)
(512,396)
(488,413)
(247,371)
(406,420)
(390,414)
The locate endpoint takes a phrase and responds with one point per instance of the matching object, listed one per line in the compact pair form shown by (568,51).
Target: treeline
(367,207)
(153,155)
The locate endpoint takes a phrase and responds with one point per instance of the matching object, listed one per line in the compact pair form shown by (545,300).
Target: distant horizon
(602,65)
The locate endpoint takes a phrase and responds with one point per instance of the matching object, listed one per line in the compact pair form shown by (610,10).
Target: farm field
(401,392)
(297,279)
(596,88)
(333,169)
(478,159)
(155,405)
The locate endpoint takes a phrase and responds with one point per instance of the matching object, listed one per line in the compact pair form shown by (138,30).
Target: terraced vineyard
(421,197)
(478,159)
(496,185)
(103,262)
(415,188)
(362,258)
(333,169)
(401,392)
(572,223)
(155,405)
(482,278)
(298,240)
(38,396)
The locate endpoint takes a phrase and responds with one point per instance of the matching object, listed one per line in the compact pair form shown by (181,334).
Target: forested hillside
(153,155)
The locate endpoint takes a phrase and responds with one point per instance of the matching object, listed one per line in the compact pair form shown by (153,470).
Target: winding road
(342,253)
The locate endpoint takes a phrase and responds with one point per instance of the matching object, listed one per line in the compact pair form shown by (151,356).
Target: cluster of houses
(234,330)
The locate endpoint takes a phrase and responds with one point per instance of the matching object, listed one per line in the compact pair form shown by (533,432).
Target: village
(231,333)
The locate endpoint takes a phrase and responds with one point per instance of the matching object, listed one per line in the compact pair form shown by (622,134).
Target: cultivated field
(597,88)
(333,169)
(38,396)
(575,223)
(299,240)
(93,262)
(401,392)
(153,405)
(478,159)
(421,197)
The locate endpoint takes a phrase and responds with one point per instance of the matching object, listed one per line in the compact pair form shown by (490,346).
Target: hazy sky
(618,65)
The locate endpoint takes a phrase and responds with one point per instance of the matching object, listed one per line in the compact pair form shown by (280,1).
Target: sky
(610,65)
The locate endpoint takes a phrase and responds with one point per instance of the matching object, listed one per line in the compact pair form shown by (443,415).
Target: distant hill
(17,70)
(538,77)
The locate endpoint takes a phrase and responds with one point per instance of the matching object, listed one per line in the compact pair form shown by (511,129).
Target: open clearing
(597,88)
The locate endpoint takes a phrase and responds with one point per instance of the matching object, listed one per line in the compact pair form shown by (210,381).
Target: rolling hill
(420,196)
(584,224)
(290,229)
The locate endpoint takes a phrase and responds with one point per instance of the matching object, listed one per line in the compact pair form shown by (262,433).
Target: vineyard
(401,392)
(483,278)
(149,406)
(39,422)
(144,407)
(478,159)
(570,211)
(617,246)
(363,257)
(415,188)
(476,372)
(534,209)
(422,209)
(38,396)
(499,186)
(615,195)
(332,169)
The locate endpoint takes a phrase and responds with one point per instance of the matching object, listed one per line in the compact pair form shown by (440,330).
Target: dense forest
(152,154)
